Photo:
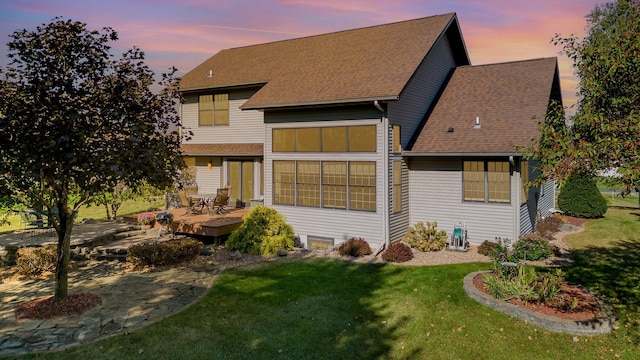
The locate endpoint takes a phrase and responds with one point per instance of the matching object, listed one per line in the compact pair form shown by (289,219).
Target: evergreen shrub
(164,253)
(580,197)
(356,247)
(263,232)
(397,252)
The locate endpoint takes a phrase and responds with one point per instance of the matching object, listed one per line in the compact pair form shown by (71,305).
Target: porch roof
(222,149)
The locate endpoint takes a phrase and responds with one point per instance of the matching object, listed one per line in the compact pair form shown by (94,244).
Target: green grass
(332,309)
(97,212)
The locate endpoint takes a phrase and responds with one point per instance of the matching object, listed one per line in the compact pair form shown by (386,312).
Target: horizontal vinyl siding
(208,179)
(547,199)
(420,92)
(436,195)
(399,222)
(526,226)
(340,225)
(244,127)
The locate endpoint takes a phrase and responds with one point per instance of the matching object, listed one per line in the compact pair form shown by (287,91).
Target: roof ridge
(510,62)
(339,31)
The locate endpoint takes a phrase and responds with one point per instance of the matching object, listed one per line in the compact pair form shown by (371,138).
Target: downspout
(385,159)
(516,208)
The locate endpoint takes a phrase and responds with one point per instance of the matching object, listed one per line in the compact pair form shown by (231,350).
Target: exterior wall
(421,90)
(540,202)
(209,180)
(245,126)
(435,186)
(340,225)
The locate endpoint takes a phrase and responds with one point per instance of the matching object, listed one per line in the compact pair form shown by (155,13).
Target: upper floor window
(213,109)
(325,139)
(486,181)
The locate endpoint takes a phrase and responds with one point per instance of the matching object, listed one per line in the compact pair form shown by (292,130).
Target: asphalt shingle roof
(372,63)
(508,98)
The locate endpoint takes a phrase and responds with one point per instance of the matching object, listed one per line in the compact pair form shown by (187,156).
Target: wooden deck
(214,226)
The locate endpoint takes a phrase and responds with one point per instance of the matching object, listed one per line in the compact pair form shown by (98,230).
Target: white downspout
(385,179)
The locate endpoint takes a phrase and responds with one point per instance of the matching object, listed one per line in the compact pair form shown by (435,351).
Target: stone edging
(602,325)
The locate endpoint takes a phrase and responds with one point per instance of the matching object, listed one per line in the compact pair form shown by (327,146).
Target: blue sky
(184,33)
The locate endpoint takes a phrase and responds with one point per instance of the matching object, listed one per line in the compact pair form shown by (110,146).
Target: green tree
(603,133)
(76,121)
(580,197)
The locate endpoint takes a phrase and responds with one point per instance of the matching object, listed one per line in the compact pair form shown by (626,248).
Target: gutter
(319,103)
(459,154)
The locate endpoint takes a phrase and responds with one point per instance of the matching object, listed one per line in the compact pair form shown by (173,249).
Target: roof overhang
(320,103)
(460,154)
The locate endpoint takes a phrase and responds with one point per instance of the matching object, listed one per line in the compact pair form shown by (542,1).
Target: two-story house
(363,133)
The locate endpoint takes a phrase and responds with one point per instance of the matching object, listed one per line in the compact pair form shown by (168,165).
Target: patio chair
(193,207)
(221,200)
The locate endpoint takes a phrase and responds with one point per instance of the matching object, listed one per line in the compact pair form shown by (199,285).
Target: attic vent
(450,129)
(477,125)
(210,74)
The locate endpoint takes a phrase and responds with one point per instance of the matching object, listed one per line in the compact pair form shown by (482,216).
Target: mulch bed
(587,308)
(46,308)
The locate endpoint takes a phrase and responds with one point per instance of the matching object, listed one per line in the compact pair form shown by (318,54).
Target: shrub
(36,260)
(533,247)
(263,232)
(548,226)
(581,198)
(426,237)
(487,247)
(504,259)
(397,252)
(163,253)
(354,247)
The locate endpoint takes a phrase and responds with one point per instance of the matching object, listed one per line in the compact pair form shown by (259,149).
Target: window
(486,181)
(221,109)
(308,182)
(284,182)
(325,139)
(524,176)
(397,147)
(362,185)
(397,186)
(334,184)
(326,184)
(213,109)
(362,138)
(205,110)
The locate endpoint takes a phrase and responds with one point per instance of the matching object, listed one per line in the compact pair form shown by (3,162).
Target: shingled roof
(222,149)
(509,99)
(366,64)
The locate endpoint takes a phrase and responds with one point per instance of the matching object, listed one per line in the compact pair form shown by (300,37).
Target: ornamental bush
(425,237)
(533,247)
(356,247)
(548,226)
(397,252)
(33,261)
(263,232)
(164,253)
(580,197)
(487,247)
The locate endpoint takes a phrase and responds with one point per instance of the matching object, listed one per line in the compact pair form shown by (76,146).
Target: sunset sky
(184,33)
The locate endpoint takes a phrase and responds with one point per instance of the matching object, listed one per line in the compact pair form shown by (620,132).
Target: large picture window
(327,184)
(486,181)
(325,139)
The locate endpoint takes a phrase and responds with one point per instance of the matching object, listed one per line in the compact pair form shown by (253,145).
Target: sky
(184,33)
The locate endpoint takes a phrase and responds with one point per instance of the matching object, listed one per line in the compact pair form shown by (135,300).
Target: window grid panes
(396,139)
(326,139)
(486,181)
(397,186)
(221,109)
(362,185)
(284,182)
(205,110)
(334,184)
(524,176)
(308,181)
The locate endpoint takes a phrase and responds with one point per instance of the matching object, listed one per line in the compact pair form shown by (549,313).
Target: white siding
(340,225)
(208,179)
(245,127)
(420,92)
(436,195)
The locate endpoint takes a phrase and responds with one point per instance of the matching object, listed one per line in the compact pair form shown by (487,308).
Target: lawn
(334,309)
(97,212)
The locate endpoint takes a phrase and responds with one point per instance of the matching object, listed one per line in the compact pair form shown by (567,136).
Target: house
(363,133)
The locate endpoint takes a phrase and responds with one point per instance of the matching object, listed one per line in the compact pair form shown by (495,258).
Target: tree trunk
(63,252)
